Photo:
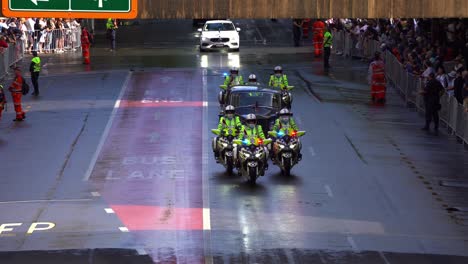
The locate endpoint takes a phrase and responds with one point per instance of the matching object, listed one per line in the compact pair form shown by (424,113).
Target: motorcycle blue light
(225,74)
(245,142)
(280,133)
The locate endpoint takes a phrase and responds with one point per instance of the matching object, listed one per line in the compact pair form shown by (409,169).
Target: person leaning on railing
(3,44)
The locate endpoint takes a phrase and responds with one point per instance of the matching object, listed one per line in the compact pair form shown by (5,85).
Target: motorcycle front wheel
(252,175)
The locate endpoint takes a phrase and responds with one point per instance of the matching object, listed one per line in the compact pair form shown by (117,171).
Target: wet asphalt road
(114,164)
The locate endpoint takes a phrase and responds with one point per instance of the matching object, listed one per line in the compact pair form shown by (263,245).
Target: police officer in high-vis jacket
(278,79)
(229,125)
(35,69)
(234,78)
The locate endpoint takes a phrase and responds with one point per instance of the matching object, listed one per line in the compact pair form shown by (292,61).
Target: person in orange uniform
(318,30)
(16,92)
(85,45)
(377,79)
(3,100)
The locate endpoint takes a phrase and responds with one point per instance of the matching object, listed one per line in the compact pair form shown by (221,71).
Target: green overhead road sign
(66,8)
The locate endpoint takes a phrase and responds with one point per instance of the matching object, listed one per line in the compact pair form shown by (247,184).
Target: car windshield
(219,27)
(258,99)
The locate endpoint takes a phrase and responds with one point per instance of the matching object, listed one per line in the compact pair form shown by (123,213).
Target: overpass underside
(169,9)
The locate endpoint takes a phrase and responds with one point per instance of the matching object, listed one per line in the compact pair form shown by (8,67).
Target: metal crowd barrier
(452,113)
(66,39)
(408,85)
(10,57)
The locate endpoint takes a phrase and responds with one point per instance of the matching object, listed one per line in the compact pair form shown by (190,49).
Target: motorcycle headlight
(281,146)
(292,146)
(224,145)
(258,155)
(247,155)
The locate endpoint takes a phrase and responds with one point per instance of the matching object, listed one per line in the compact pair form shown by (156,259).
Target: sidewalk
(399,127)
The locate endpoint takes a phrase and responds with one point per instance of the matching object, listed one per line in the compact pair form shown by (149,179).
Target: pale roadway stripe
(95,194)
(205,177)
(124,229)
(312,151)
(329,191)
(47,201)
(109,210)
(107,129)
(352,243)
(206,219)
(384,258)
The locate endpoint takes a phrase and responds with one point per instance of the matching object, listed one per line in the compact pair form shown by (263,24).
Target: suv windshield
(219,27)
(259,99)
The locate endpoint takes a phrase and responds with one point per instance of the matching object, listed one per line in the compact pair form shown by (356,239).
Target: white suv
(217,34)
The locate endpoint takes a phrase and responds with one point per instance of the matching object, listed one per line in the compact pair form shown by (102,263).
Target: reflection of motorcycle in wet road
(286,150)
(252,158)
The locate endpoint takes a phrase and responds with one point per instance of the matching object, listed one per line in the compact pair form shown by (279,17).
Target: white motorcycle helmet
(278,71)
(252,78)
(285,115)
(234,70)
(230,111)
(251,120)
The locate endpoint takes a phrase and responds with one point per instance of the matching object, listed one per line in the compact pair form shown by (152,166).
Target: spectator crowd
(422,46)
(39,34)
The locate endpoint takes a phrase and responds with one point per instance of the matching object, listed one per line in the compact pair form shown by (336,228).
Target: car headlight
(204,38)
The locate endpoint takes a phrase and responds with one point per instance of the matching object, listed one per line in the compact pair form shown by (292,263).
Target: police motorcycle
(286,149)
(252,158)
(286,96)
(226,88)
(225,146)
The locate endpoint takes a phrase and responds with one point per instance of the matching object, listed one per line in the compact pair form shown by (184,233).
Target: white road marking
(46,201)
(157,116)
(206,219)
(107,129)
(205,178)
(312,151)
(109,210)
(384,258)
(352,243)
(141,251)
(95,194)
(329,191)
(124,229)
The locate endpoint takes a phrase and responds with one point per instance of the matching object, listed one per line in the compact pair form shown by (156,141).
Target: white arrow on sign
(100,3)
(35,1)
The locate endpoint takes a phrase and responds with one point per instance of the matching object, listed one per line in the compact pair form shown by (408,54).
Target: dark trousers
(432,114)
(113,35)
(297,35)
(35,81)
(326,57)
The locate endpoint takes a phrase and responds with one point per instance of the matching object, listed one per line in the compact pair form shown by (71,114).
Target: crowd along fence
(408,85)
